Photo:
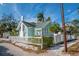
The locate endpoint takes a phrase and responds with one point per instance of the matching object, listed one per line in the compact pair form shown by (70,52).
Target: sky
(30,11)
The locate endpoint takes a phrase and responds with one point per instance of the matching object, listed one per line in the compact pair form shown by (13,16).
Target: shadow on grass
(4,51)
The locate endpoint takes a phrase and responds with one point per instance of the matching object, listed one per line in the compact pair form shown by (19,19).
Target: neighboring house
(32,29)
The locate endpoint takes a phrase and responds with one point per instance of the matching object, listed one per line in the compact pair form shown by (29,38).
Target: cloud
(1,3)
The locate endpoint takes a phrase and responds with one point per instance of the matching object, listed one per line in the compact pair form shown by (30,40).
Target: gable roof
(31,24)
(37,25)
(42,25)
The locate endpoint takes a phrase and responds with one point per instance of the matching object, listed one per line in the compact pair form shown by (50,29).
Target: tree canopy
(40,17)
(75,22)
(55,28)
(48,19)
(74,27)
(8,24)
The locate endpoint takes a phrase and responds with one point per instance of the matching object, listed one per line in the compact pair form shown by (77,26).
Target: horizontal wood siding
(46,31)
(30,31)
(25,32)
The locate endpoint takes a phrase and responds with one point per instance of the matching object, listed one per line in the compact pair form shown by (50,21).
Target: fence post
(41,43)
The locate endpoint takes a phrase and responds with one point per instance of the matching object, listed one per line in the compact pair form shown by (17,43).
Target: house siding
(37,30)
(31,31)
(25,31)
(46,31)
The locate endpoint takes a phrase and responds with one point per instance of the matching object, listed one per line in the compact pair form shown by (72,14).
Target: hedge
(47,42)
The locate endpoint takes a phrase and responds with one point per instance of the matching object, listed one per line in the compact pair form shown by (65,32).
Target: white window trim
(38,29)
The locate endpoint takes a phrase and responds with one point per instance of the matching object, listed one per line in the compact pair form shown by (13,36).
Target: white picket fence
(58,38)
(38,40)
(17,39)
(24,40)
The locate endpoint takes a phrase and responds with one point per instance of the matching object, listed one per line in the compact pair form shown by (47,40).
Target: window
(38,32)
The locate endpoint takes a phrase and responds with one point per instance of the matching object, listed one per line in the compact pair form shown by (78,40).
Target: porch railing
(36,41)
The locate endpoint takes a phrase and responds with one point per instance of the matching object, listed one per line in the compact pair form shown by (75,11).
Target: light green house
(32,29)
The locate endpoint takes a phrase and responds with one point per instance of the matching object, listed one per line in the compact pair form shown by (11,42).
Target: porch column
(21,30)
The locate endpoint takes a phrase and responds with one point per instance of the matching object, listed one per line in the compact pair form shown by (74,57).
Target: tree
(70,29)
(8,24)
(48,19)
(75,22)
(73,27)
(40,17)
(2,29)
(55,28)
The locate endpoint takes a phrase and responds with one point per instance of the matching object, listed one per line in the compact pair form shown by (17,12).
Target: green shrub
(35,40)
(47,41)
(14,33)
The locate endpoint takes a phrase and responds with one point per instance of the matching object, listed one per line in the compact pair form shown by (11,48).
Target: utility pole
(63,25)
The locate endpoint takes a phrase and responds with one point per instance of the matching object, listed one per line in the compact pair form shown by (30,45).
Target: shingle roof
(41,25)
(31,24)
(37,25)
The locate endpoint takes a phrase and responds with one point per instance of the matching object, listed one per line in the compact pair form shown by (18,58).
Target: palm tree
(75,23)
(48,19)
(40,17)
